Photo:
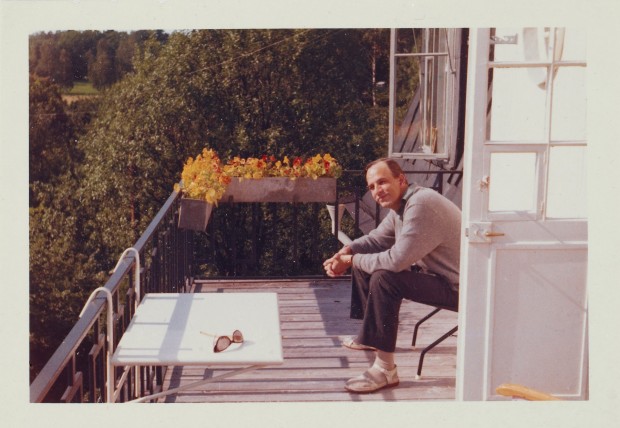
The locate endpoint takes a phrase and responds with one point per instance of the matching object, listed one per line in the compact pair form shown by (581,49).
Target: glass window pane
(518,105)
(409,40)
(573,44)
(508,45)
(420,104)
(536,44)
(512,182)
(566,192)
(524,44)
(407,123)
(568,118)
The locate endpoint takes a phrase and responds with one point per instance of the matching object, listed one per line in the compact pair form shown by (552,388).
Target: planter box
(194,214)
(280,189)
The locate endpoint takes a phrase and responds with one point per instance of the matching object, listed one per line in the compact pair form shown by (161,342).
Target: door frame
(476,313)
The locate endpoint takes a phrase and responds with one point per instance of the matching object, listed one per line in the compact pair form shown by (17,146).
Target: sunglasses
(221,343)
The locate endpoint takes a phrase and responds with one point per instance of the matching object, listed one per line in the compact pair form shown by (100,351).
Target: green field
(83,88)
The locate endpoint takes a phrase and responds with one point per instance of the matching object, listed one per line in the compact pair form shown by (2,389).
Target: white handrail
(136,271)
(110,323)
(109,336)
(137,299)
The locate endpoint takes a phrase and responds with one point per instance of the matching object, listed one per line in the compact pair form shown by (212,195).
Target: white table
(166,330)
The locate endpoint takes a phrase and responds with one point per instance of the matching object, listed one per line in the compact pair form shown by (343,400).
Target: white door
(523,304)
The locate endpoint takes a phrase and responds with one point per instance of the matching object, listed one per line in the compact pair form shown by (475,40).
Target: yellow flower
(203,177)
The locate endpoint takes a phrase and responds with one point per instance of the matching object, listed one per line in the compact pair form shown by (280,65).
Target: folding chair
(436,342)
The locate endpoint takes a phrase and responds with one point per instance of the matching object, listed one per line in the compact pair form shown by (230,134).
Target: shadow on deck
(314,316)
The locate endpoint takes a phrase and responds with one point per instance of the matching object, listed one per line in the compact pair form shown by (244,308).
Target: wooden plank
(314,317)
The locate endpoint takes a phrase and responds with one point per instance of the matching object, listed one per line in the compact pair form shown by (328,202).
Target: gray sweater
(425,231)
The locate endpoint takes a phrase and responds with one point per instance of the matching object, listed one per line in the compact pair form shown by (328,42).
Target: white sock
(385,360)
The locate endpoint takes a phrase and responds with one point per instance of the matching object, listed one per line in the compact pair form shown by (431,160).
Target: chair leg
(417,325)
(431,346)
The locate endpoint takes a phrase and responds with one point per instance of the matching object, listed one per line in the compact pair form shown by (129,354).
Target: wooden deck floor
(314,316)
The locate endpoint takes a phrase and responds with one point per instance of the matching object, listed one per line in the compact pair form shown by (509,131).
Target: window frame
(446,149)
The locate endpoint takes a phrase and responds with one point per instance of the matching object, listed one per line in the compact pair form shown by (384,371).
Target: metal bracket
(506,40)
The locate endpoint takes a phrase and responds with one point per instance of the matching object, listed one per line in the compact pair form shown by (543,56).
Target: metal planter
(280,189)
(194,214)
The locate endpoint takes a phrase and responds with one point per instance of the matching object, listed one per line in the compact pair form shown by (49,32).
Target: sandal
(350,342)
(371,381)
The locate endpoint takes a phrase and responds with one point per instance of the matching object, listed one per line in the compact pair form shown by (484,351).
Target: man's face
(386,189)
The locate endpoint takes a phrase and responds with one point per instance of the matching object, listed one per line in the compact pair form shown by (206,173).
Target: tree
(61,270)
(47,56)
(51,145)
(101,70)
(80,45)
(124,55)
(49,60)
(63,74)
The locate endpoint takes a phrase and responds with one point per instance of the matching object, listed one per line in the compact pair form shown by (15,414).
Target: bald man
(422,228)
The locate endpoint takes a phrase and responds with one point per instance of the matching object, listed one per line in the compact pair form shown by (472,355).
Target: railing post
(110,338)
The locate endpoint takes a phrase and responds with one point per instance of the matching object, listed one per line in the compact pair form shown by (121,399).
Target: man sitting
(422,228)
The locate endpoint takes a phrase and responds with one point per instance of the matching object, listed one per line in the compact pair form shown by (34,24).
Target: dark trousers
(376,299)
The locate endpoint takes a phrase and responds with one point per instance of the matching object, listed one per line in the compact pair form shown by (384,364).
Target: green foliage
(102,70)
(61,268)
(102,57)
(51,145)
(61,272)
(49,60)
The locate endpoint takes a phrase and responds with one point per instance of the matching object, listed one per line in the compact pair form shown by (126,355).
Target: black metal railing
(269,240)
(76,372)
